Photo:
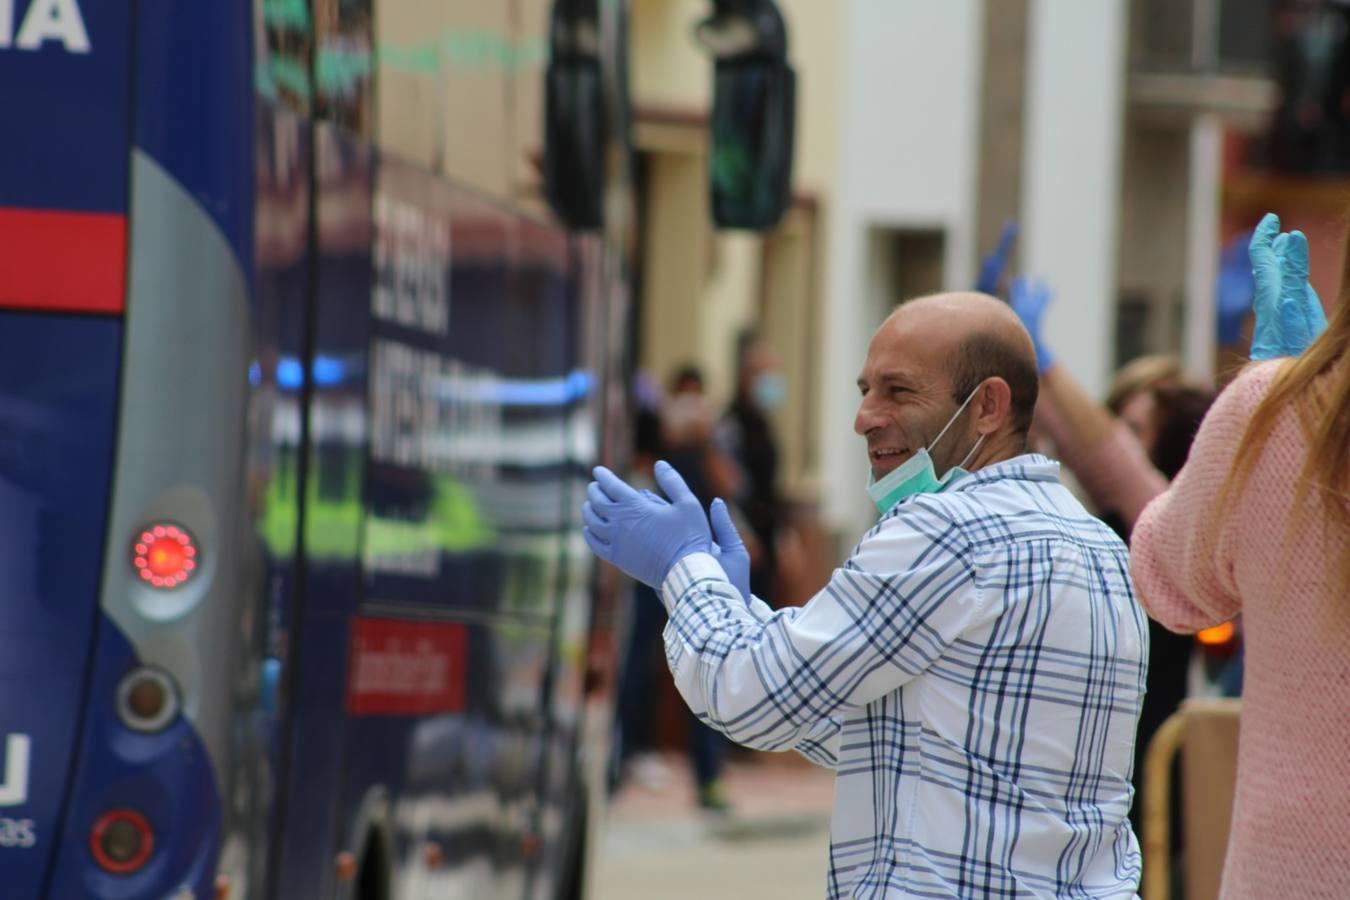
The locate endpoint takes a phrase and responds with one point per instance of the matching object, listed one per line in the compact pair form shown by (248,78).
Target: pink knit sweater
(1291,816)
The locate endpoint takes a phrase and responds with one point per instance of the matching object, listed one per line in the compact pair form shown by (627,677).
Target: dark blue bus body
(366,398)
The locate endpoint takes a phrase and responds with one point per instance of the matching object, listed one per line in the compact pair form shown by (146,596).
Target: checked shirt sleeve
(785,681)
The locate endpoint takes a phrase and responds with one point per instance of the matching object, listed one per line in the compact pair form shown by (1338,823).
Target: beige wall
(815,36)
(459,89)
(702,287)
(670,71)
(1152,246)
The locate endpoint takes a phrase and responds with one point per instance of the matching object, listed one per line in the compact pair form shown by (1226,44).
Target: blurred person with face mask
(685,436)
(972,672)
(746,431)
(688,422)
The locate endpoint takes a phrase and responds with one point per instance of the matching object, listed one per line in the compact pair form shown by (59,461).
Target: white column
(1071,175)
(908,125)
(1202,245)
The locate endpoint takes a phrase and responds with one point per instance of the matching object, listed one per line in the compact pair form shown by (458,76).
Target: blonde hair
(1317,386)
(1141,373)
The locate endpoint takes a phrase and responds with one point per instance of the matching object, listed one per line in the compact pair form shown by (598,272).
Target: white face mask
(916,475)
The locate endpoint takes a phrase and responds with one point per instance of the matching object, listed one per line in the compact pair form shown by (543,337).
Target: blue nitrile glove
(639,532)
(1289,316)
(1029,299)
(729,548)
(1233,292)
(991,269)
(1302,319)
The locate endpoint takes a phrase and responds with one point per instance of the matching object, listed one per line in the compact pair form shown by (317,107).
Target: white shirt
(973,673)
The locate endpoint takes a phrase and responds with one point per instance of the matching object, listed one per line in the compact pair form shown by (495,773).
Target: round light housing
(164,555)
(147,699)
(122,841)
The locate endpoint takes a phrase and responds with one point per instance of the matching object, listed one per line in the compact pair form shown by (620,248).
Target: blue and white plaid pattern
(973,674)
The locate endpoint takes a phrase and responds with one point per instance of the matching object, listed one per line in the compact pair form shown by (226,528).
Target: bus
(294,433)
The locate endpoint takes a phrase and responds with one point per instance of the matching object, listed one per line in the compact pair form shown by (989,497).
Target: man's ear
(993,406)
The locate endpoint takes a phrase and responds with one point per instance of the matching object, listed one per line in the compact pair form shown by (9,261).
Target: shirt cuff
(686,573)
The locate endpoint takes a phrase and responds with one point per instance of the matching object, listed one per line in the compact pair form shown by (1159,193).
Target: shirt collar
(1026,467)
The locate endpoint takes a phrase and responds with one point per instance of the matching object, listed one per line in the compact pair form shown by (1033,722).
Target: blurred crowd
(730,454)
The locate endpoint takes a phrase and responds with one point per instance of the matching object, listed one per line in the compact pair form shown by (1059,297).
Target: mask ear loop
(955,416)
(962,463)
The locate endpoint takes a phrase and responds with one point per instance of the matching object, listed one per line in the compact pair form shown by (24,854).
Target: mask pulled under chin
(916,475)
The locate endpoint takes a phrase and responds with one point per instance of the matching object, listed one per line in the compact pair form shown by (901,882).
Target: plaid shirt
(973,674)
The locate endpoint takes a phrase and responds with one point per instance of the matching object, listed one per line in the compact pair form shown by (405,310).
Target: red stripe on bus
(62,261)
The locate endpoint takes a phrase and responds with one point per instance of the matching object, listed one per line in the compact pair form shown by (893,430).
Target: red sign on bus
(406,668)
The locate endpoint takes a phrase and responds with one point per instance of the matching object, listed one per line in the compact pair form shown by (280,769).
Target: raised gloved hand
(640,532)
(1029,299)
(729,548)
(1289,316)
(991,269)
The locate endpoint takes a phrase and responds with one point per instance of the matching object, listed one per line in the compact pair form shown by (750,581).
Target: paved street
(657,844)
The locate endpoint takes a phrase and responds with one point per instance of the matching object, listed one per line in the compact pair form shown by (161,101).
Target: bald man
(974,670)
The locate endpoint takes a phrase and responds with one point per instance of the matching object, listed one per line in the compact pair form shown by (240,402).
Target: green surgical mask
(916,475)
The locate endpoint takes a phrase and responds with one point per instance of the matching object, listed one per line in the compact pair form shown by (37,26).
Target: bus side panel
(66,112)
(180,451)
(58,401)
(429,749)
(180,454)
(64,89)
(317,725)
(194,107)
(275,413)
(472,383)
(549,285)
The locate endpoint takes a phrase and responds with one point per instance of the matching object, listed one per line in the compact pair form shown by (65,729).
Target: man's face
(907,397)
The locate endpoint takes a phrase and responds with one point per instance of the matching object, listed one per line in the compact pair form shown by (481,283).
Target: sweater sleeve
(1116,473)
(1181,559)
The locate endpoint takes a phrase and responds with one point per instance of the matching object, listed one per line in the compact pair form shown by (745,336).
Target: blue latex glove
(1289,316)
(1029,299)
(991,269)
(729,548)
(640,532)
(1233,292)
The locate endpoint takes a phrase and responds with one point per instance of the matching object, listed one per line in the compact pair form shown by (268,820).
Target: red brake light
(165,556)
(122,841)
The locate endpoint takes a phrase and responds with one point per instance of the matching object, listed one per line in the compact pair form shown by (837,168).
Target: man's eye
(897,389)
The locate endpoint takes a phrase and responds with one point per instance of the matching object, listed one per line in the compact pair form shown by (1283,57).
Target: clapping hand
(730,549)
(640,532)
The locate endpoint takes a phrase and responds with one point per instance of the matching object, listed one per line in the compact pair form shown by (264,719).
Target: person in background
(1258,523)
(688,421)
(1131,396)
(678,427)
(746,432)
(634,752)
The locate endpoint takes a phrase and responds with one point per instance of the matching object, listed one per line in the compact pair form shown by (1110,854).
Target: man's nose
(866,419)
